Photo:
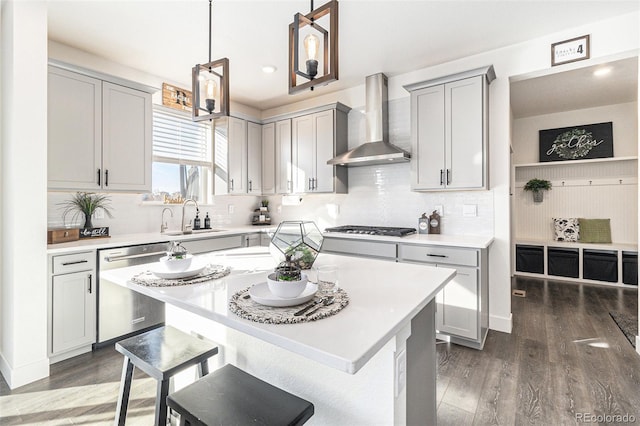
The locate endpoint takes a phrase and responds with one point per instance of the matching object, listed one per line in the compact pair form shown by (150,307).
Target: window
(182,157)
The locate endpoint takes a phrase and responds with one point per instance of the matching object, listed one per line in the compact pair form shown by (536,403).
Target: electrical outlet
(400,372)
(98,214)
(231,208)
(469,210)
(440,209)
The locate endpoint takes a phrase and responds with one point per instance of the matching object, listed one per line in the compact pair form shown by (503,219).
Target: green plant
(536,185)
(85,203)
(264,203)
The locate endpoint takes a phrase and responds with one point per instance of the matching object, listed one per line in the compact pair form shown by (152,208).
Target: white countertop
(146,238)
(466,241)
(384,297)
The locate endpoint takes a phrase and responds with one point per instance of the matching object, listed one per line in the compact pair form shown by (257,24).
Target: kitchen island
(372,363)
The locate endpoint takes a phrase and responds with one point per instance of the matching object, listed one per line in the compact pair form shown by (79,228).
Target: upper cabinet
(254,159)
(99,134)
(304,144)
(269,159)
(449,131)
(237,155)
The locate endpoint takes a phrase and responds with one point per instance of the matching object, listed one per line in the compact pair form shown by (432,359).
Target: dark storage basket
(630,267)
(600,265)
(563,262)
(530,259)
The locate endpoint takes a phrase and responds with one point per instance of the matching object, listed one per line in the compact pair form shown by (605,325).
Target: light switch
(98,214)
(469,210)
(231,208)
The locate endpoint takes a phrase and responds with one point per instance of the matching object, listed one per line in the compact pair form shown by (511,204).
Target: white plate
(260,294)
(162,271)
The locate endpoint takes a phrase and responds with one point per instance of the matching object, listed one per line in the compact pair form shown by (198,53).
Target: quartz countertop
(466,241)
(384,297)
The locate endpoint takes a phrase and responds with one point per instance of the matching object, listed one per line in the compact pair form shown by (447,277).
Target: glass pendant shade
(302,240)
(313,50)
(211,90)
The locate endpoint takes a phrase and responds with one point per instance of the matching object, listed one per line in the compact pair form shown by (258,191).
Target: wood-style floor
(565,357)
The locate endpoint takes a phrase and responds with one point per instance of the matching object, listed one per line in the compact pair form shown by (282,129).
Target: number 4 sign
(575,49)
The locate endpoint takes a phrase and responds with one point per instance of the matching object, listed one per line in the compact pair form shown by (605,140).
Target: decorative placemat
(242,305)
(210,272)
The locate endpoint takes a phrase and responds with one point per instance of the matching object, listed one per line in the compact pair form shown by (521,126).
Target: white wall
(23,185)
(623,116)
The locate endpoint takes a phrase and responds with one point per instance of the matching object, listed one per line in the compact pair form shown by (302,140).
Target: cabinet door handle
(315,183)
(310,184)
(437,255)
(231,182)
(250,186)
(289,185)
(75,262)
(106,177)
(448,177)
(90,284)
(99,174)
(441,177)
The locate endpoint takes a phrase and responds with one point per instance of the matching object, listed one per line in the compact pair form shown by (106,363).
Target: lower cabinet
(462,306)
(72,305)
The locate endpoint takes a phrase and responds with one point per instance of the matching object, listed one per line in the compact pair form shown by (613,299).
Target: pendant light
(318,44)
(210,86)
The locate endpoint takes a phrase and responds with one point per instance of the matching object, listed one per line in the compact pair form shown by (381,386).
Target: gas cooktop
(373,230)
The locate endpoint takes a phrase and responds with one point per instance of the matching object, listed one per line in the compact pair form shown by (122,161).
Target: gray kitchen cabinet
(237,155)
(254,158)
(284,183)
(449,131)
(99,134)
(360,247)
(72,305)
(209,244)
(316,138)
(462,306)
(269,159)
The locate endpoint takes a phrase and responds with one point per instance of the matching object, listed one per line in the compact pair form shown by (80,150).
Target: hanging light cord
(210,14)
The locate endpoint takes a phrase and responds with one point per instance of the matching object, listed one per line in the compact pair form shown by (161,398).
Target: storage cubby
(610,264)
(563,262)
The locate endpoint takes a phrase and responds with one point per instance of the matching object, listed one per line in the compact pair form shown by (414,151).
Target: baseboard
(503,324)
(16,377)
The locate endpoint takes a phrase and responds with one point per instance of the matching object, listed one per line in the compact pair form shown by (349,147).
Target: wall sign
(575,49)
(102,232)
(577,142)
(175,97)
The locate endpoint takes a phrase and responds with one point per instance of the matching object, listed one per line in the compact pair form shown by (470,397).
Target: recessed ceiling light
(268,69)
(602,71)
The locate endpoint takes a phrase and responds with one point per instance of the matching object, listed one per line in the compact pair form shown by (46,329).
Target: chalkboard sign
(94,232)
(577,142)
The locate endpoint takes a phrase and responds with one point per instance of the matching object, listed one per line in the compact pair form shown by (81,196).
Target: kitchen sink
(197,231)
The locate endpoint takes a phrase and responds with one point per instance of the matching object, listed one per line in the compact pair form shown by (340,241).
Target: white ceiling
(168,37)
(576,89)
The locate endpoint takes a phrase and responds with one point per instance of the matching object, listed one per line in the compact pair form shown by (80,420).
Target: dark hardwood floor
(565,357)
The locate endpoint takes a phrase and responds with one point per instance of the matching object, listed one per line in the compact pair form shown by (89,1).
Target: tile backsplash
(378,195)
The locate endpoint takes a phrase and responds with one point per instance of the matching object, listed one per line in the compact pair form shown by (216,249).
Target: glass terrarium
(300,239)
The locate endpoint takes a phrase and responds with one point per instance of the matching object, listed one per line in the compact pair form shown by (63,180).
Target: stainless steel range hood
(377,149)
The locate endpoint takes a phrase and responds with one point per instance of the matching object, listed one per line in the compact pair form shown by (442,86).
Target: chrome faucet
(163,224)
(186,229)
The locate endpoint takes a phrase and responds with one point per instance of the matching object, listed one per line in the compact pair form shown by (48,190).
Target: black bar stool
(230,396)
(161,353)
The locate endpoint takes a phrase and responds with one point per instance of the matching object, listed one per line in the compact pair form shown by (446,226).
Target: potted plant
(85,203)
(264,205)
(537,186)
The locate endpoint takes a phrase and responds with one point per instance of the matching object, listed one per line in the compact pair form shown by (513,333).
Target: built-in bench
(612,263)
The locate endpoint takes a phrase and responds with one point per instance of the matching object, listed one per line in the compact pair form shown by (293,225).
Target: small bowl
(286,289)
(176,265)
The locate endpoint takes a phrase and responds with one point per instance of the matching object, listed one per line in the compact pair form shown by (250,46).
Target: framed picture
(575,49)
(577,142)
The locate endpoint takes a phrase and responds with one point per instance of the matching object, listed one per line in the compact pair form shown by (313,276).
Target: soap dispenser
(196,222)
(207,222)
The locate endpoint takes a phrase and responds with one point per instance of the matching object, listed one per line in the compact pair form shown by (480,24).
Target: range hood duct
(377,149)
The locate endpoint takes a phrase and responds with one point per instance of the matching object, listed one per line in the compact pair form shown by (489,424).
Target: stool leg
(203,368)
(161,402)
(125,388)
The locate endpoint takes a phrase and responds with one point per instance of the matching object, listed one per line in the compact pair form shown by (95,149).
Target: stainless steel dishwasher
(123,312)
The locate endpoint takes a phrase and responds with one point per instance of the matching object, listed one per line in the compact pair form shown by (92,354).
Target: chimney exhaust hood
(377,149)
